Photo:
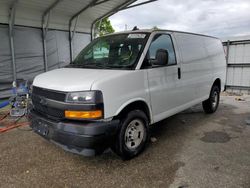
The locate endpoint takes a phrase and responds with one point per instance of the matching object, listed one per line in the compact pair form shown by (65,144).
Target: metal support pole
(11,37)
(74,30)
(227,60)
(45,27)
(71,37)
(44,35)
(99,26)
(70,43)
(76,16)
(227,57)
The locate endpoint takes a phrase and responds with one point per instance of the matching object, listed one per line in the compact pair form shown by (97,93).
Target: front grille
(45,110)
(49,94)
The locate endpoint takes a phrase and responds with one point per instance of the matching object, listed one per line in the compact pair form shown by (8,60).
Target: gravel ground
(190,149)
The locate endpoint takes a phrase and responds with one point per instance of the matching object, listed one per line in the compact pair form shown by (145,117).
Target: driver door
(164,80)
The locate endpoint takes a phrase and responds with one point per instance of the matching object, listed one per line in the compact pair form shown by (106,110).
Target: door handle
(179,73)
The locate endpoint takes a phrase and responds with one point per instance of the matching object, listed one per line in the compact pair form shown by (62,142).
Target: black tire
(122,140)
(211,104)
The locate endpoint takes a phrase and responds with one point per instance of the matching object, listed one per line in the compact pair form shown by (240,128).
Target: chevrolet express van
(122,83)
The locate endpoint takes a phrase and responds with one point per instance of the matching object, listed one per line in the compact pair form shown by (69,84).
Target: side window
(162,41)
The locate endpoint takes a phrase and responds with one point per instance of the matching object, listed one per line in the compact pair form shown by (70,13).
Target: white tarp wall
(29,53)
(69,27)
(238,63)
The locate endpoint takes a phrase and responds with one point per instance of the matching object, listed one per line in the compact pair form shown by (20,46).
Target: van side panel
(217,57)
(196,67)
(202,61)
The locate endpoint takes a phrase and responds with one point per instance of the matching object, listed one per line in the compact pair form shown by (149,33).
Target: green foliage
(155,28)
(104,27)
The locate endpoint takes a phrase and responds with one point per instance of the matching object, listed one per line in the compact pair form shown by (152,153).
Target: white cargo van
(120,84)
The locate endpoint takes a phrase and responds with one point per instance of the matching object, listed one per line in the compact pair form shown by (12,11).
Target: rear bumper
(84,138)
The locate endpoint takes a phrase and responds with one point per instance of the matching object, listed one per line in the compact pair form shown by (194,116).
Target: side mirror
(161,57)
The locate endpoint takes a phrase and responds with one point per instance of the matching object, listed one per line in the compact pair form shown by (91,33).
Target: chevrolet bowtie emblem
(43,101)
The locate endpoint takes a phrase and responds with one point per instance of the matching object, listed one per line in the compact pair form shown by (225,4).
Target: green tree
(103,27)
(155,28)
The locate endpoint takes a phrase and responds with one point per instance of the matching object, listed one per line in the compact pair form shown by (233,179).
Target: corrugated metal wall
(29,53)
(238,62)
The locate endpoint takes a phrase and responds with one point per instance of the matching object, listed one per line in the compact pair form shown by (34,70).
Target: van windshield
(119,51)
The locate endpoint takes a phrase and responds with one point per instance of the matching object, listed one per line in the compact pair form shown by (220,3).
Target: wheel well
(137,105)
(217,83)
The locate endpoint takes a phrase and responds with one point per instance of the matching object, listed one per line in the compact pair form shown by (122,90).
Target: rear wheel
(133,135)
(211,104)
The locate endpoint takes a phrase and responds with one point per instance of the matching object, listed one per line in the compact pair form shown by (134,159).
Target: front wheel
(133,135)
(211,104)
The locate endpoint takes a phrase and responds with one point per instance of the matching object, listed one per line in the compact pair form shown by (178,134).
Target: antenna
(135,28)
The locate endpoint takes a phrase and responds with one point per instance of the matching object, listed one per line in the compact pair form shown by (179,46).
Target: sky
(220,18)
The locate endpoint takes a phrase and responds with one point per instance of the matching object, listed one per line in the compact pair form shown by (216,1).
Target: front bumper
(84,138)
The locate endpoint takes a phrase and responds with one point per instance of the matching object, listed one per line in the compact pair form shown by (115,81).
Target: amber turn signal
(83,114)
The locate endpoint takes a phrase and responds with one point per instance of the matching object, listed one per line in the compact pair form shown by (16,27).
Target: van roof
(155,30)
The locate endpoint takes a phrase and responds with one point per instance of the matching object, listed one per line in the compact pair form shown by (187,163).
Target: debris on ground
(216,168)
(248,121)
(183,121)
(153,139)
(239,99)
(183,186)
(227,93)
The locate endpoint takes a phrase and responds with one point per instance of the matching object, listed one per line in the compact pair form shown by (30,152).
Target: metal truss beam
(12,15)
(76,17)
(113,11)
(45,26)
(138,4)
(72,32)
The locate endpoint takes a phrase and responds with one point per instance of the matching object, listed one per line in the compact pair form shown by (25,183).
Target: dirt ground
(190,149)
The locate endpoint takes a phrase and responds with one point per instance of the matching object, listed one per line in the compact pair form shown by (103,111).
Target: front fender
(127,103)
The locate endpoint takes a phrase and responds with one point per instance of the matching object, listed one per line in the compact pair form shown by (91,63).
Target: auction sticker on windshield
(136,36)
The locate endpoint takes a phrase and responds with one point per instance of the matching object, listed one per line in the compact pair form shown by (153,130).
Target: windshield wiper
(72,65)
(87,65)
(117,66)
(97,65)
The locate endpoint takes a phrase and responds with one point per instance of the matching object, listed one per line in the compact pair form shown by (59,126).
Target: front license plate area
(41,128)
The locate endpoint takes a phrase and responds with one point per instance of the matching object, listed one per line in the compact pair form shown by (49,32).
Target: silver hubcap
(134,134)
(214,99)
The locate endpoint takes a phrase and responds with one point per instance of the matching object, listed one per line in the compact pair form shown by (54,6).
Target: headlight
(85,97)
(93,105)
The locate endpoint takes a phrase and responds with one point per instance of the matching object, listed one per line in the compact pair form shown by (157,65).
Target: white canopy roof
(30,12)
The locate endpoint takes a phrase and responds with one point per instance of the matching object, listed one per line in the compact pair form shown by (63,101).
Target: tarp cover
(29,12)
(28,34)
(29,53)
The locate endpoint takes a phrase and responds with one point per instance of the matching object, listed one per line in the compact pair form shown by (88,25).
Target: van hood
(72,79)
